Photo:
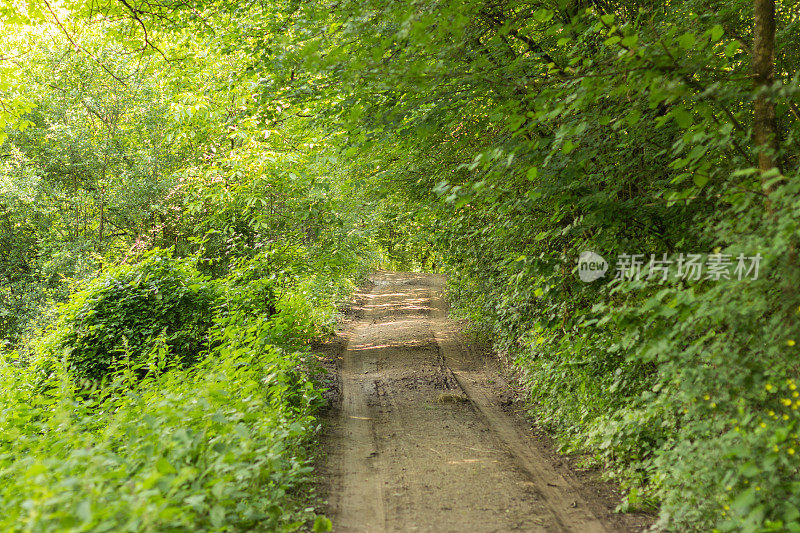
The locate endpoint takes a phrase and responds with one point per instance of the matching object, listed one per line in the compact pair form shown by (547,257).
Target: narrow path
(421,443)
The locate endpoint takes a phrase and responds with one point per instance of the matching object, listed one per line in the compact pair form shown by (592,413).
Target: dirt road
(420,440)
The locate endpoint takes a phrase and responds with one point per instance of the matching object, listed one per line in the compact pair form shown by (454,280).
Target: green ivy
(127,310)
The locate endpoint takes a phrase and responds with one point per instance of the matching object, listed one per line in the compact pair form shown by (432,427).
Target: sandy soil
(422,435)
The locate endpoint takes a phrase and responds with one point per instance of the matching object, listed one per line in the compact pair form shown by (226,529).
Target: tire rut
(419,444)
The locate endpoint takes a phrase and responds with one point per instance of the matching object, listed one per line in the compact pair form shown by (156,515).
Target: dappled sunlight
(246,208)
(363,347)
(469,461)
(410,344)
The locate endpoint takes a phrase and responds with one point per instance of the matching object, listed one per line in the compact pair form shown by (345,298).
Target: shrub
(220,446)
(130,309)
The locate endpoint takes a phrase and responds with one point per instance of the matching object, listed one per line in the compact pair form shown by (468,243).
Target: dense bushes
(217,445)
(669,389)
(128,311)
(685,390)
(173,391)
(623,128)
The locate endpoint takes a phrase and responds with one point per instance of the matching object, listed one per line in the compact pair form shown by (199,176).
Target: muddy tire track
(419,441)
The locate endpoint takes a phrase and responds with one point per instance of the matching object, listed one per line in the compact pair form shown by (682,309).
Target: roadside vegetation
(170,248)
(188,189)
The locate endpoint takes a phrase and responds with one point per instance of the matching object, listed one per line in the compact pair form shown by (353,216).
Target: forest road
(420,440)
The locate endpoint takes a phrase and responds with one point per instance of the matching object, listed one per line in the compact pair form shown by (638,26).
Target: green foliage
(218,446)
(128,311)
(298,144)
(158,399)
(527,134)
(86,176)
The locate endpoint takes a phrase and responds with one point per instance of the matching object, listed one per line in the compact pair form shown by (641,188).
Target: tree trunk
(763,64)
(101,223)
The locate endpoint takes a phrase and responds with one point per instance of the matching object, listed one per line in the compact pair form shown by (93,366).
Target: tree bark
(101,224)
(763,65)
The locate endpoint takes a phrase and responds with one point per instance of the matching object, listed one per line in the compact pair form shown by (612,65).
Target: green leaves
(146,313)
(699,179)
(732,48)
(322,524)
(633,117)
(543,14)
(164,467)
(178,471)
(687,40)
(682,117)
(716,33)
(217,446)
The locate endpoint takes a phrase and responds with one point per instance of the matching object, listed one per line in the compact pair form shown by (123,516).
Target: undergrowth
(160,442)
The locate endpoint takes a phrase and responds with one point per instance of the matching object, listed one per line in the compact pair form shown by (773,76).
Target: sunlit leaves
(687,40)
(636,122)
(683,117)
